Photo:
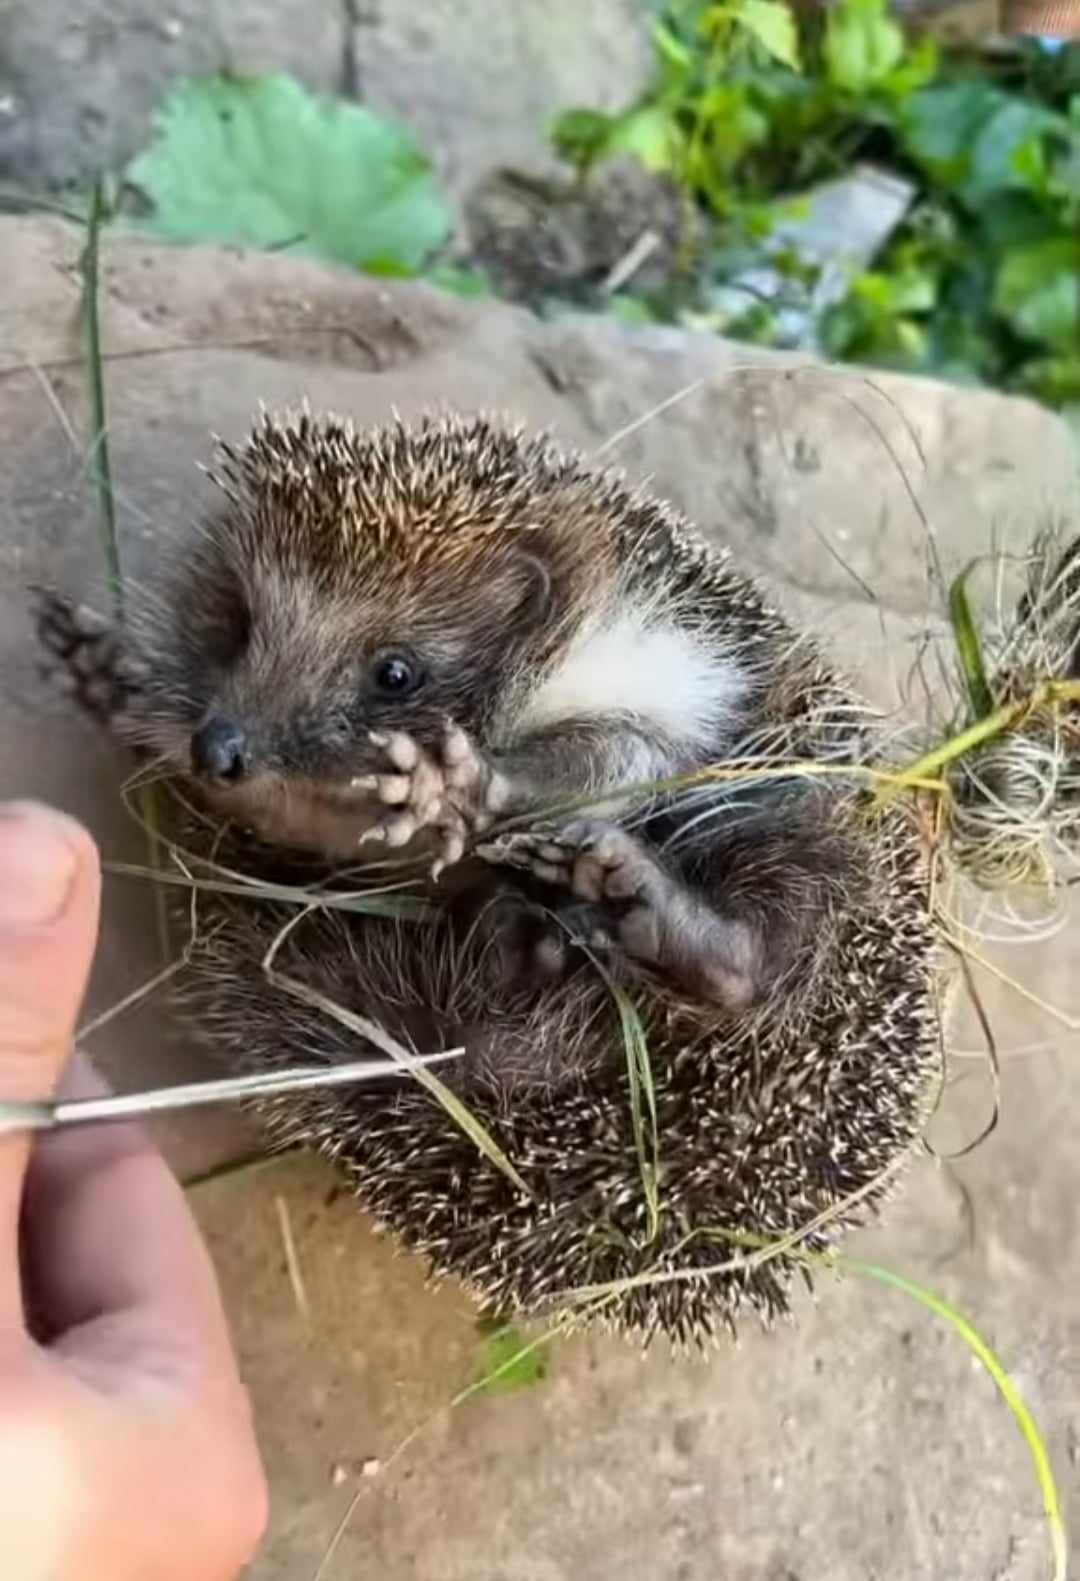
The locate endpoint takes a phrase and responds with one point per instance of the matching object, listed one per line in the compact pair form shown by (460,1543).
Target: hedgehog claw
(596,861)
(450,790)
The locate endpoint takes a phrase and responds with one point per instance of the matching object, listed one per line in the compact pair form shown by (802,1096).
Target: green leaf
(909,291)
(915,72)
(968,647)
(386,268)
(1055,380)
(1030,165)
(670,48)
(582,136)
(772,24)
(732,126)
(940,124)
(260,162)
(1008,150)
(508,1361)
(650,135)
(1038,291)
(862,44)
(1016,219)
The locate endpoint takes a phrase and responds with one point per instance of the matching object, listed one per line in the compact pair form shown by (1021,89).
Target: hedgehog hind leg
(526,937)
(84,654)
(639,908)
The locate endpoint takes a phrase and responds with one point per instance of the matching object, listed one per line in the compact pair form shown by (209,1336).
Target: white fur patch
(631,663)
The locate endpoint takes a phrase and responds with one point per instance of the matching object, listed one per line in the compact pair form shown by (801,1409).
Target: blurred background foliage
(753,107)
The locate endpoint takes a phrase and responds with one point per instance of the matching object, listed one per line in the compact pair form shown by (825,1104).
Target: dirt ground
(860,1443)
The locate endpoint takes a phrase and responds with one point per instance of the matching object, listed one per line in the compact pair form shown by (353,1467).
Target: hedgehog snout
(220,751)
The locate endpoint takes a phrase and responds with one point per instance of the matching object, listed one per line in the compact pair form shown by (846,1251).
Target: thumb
(49,891)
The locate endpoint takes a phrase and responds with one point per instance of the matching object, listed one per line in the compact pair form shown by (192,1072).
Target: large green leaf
(1006,149)
(941,124)
(1038,291)
(261,162)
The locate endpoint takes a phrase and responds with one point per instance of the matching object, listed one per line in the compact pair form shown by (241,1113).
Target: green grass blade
(1006,1388)
(639,1071)
(969,648)
(462,1116)
(933,1303)
(99,451)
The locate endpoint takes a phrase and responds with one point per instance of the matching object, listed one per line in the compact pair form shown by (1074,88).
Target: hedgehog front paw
(452,791)
(84,655)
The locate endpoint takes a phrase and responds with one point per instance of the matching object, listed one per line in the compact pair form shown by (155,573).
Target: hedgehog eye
(395,674)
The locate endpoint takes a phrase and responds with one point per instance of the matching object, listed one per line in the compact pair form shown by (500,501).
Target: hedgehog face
(269,679)
(360,582)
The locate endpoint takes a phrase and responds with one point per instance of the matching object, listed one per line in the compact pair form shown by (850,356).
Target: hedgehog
(628,794)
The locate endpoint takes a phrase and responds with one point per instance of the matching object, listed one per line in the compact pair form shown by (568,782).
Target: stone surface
(513,66)
(79,82)
(860,1445)
(80,79)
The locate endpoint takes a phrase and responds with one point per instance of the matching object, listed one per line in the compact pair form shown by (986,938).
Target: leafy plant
(261,162)
(751,104)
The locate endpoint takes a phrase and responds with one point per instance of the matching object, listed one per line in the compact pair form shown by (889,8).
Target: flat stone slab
(861,1445)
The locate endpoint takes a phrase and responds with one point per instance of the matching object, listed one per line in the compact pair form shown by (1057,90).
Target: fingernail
(37,866)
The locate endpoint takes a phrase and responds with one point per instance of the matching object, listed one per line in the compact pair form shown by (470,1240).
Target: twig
(250,1164)
(991,1055)
(292,1261)
(135,997)
(631,261)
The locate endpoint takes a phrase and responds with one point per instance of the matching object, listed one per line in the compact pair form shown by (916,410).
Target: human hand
(126,1446)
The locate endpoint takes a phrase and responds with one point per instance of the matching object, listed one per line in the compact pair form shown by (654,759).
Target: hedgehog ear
(529,590)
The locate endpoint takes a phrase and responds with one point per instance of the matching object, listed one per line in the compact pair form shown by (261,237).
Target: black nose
(219,751)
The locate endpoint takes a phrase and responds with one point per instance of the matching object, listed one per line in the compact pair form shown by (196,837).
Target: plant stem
(995,724)
(99,452)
